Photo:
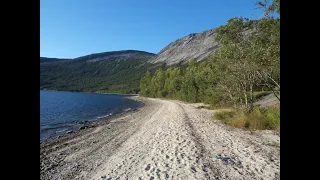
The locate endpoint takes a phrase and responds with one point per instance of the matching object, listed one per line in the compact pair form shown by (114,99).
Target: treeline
(247,62)
(45,59)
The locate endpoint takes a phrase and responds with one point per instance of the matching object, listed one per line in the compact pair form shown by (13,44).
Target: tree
(250,55)
(269,9)
(159,80)
(173,82)
(145,84)
(189,88)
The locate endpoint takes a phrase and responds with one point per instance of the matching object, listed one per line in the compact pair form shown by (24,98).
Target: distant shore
(90,92)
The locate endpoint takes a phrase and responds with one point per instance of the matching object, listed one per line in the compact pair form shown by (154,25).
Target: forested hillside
(110,72)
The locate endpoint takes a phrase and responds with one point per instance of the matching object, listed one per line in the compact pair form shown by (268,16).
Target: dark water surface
(61,112)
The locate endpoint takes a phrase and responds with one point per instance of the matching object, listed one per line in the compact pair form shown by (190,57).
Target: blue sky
(73,28)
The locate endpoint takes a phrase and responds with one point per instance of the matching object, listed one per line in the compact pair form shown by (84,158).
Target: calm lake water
(61,112)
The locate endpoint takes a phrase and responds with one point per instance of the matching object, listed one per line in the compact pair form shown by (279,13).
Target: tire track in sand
(200,144)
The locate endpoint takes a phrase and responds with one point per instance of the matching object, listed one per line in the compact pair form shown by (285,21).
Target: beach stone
(69,132)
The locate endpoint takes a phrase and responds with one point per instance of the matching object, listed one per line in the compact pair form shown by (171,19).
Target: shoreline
(94,124)
(164,139)
(90,92)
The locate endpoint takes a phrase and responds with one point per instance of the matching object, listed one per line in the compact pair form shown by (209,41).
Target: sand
(165,139)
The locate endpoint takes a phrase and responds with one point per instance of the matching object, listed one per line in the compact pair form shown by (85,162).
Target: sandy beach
(165,139)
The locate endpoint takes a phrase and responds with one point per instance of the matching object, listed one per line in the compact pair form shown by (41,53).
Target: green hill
(109,72)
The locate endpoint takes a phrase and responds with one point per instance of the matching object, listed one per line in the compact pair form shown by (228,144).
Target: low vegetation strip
(256,120)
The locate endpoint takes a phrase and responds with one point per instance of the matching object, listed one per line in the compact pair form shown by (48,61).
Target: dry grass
(239,120)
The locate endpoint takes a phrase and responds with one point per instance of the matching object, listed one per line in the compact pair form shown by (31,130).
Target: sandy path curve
(164,140)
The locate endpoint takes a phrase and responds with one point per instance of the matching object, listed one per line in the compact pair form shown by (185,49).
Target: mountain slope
(111,72)
(197,45)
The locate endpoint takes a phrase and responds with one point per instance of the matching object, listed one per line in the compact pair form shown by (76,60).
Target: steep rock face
(197,45)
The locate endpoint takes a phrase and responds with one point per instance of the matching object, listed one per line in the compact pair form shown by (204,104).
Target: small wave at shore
(101,117)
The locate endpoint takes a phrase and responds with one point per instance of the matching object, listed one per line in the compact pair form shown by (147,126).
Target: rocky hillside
(198,46)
